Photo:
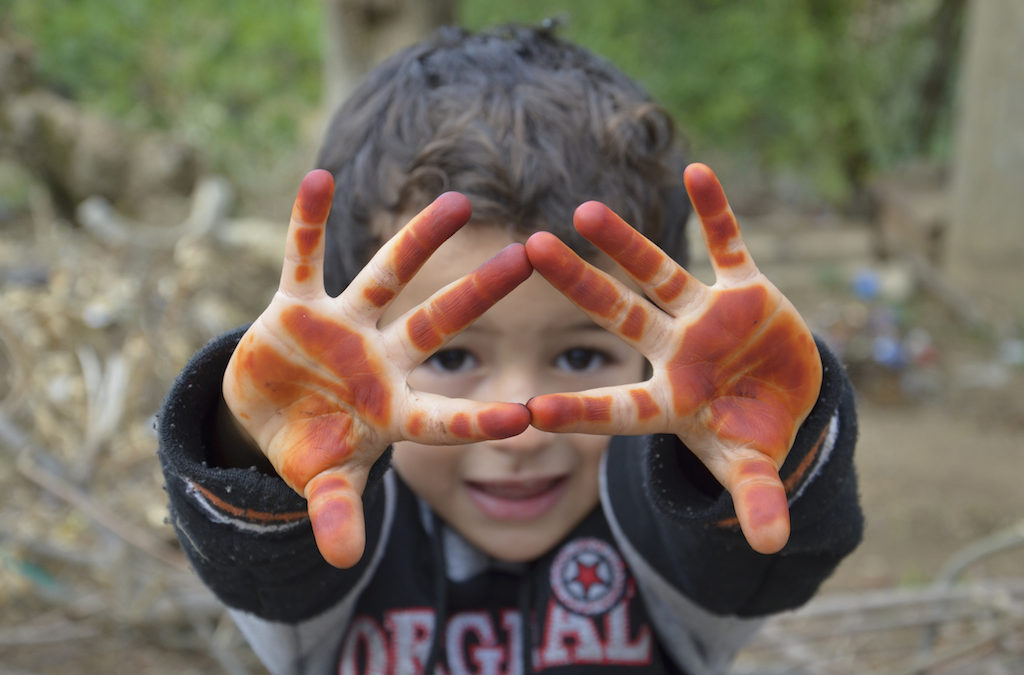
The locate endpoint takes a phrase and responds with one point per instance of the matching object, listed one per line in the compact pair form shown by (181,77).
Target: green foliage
(823,89)
(227,74)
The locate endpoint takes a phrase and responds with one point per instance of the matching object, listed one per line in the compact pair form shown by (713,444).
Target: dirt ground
(93,329)
(934,479)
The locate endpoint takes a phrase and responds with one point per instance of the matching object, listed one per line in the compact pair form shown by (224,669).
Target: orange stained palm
(321,387)
(735,368)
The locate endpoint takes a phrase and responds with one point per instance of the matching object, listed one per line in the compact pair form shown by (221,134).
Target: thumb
(336,512)
(760,501)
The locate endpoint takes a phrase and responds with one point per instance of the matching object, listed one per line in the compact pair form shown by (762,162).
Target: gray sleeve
(311,645)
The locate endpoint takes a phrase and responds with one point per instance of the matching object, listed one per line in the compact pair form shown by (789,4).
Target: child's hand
(321,389)
(736,370)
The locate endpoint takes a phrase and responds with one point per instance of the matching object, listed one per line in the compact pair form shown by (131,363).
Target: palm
(321,387)
(735,369)
(744,370)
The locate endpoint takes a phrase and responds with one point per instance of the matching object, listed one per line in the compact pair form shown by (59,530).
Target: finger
(335,504)
(302,273)
(605,299)
(760,501)
(445,313)
(729,256)
(662,279)
(314,456)
(629,410)
(437,420)
(401,257)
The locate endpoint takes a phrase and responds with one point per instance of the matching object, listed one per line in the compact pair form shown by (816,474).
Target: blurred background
(149,155)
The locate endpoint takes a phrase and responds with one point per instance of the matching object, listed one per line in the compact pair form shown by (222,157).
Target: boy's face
(515,498)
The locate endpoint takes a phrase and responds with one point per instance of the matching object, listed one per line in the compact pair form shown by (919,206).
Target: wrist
(231,446)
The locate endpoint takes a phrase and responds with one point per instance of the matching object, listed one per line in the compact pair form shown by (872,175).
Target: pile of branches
(99,315)
(968,628)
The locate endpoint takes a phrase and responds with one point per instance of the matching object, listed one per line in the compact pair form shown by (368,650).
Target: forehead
(534,304)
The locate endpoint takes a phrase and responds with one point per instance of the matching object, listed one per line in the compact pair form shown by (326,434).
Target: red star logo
(587,576)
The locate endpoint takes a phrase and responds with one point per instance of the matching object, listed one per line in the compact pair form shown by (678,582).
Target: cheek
(422,380)
(589,450)
(427,380)
(427,469)
(586,483)
(631,367)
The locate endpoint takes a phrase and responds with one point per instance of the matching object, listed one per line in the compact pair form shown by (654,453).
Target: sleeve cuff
(242,496)
(246,533)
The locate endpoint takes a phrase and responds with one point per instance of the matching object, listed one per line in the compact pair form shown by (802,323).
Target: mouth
(516,500)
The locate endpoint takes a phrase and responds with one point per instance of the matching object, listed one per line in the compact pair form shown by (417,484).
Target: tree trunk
(362,33)
(986,239)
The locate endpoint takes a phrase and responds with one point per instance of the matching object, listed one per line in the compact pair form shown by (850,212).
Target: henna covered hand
(321,387)
(735,368)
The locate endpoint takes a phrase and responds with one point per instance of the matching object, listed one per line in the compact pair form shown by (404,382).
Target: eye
(455,360)
(581,360)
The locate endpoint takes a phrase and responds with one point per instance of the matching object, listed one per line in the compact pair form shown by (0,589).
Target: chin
(514,549)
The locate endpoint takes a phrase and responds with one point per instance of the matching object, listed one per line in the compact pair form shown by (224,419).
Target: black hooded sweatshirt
(658,578)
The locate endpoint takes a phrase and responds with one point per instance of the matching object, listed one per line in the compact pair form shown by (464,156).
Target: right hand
(321,388)
(735,370)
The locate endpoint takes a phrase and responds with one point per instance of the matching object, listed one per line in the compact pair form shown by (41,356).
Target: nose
(530,442)
(516,385)
(515,382)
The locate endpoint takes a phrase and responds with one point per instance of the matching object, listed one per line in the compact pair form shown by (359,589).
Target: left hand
(735,368)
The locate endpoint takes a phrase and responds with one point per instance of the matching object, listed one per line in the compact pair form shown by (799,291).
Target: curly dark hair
(525,124)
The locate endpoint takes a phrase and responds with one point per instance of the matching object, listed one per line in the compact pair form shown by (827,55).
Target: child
(338,477)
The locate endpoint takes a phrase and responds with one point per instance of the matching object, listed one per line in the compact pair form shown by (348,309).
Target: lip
(517,500)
